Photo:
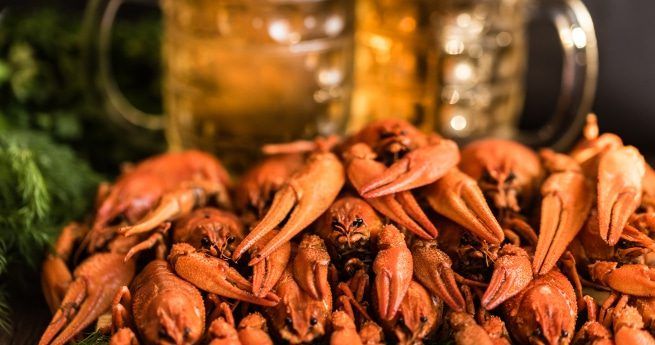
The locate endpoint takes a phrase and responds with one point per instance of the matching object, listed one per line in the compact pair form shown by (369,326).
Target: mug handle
(579,73)
(115,101)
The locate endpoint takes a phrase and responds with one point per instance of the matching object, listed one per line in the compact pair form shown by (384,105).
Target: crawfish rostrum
(390,235)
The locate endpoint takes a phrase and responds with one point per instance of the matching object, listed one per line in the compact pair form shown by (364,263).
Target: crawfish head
(176,324)
(298,317)
(507,171)
(212,229)
(419,314)
(544,312)
(302,324)
(348,224)
(166,308)
(391,139)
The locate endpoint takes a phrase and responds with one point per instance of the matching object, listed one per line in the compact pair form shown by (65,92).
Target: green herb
(43,185)
(94,338)
(46,84)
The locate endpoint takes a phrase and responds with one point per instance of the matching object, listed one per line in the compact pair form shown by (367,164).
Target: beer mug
(242,73)
(458,66)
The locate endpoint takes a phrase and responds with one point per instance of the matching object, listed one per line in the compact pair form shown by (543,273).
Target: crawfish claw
(566,202)
(458,197)
(267,272)
(512,273)
(312,189)
(432,268)
(417,168)
(620,175)
(393,270)
(631,279)
(214,275)
(310,267)
(401,207)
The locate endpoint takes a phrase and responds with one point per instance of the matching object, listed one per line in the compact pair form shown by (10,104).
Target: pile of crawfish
(390,235)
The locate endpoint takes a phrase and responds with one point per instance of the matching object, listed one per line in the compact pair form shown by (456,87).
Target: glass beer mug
(242,73)
(458,66)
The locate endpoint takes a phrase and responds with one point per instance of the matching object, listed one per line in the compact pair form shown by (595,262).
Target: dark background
(625,98)
(626,86)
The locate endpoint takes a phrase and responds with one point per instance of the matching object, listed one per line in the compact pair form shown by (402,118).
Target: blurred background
(44,90)
(42,52)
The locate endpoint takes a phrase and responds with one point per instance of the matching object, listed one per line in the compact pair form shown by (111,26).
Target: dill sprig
(43,185)
(94,338)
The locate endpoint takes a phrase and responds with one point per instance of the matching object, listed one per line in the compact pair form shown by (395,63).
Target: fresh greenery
(53,127)
(43,185)
(48,83)
(94,339)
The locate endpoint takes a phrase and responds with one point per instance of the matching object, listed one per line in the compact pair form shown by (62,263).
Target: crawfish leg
(156,239)
(119,313)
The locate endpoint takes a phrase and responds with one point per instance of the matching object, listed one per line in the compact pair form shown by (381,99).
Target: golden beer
(239,74)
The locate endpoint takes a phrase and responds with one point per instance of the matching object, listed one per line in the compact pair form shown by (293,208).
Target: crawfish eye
(358,222)
(288,321)
(510,177)
(401,320)
(565,333)
(335,224)
(187,331)
(230,239)
(205,242)
(313,321)
(424,318)
(537,332)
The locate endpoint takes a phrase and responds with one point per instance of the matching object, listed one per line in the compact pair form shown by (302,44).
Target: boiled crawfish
(139,189)
(166,308)
(413,158)
(90,291)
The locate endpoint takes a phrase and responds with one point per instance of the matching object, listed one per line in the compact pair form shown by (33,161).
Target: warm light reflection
(380,43)
(330,77)
(458,122)
(464,20)
(407,24)
(279,30)
(334,25)
(579,37)
(565,37)
(463,71)
(310,22)
(503,39)
(454,46)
